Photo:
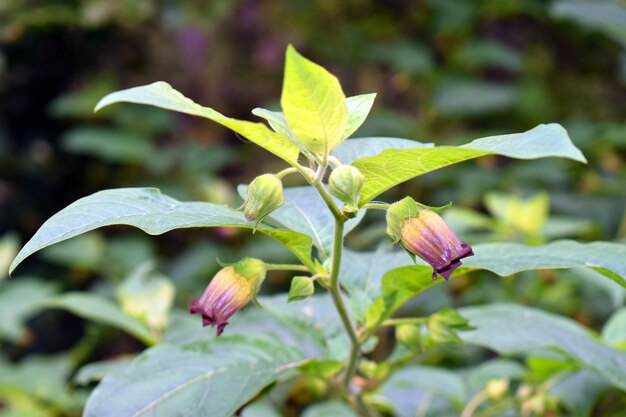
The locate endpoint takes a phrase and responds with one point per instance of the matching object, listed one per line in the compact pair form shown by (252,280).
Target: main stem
(335,293)
(335,290)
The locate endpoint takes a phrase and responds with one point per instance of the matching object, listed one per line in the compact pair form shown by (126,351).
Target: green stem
(337,214)
(286,171)
(335,293)
(474,403)
(410,320)
(286,267)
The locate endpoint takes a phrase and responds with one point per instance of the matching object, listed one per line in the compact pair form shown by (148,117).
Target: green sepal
(301,288)
(443,326)
(404,209)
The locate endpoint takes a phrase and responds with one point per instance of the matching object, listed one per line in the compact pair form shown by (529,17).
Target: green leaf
(350,150)
(358,109)
(478,378)
(301,288)
(407,388)
(261,408)
(513,330)
(100,310)
(363,271)
(85,252)
(329,409)
(455,97)
(161,94)
(394,166)
(41,379)
(603,16)
(147,296)
(580,392)
(276,120)
(504,259)
(614,331)
(209,378)
(313,103)
(19,300)
(507,259)
(96,371)
(150,211)
(111,145)
(9,245)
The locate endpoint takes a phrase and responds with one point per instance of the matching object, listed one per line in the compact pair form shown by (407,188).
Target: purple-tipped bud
(229,290)
(428,236)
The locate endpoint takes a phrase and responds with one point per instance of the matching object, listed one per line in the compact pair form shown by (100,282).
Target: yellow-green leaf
(313,103)
(161,94)
(394,166)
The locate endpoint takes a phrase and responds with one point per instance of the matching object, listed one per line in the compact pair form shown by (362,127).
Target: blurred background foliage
(446,71)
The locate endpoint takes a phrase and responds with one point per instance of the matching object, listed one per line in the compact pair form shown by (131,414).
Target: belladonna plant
(324,337)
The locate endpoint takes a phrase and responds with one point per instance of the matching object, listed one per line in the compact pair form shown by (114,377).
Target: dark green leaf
(210,378)
(150,211)
(513,330)
(394,166)
(101,310)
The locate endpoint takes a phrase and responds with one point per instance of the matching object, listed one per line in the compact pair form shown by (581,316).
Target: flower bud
(496,388)
(424,233)
(229,290)
(264,195)
(345,183)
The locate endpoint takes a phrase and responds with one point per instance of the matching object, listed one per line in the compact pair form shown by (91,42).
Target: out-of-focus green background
(446,71)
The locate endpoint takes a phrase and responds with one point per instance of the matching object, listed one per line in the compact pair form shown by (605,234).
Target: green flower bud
(410,336)
(264,195)
(345,183)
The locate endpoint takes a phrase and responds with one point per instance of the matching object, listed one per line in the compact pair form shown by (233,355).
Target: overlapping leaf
(150,211)
(209,378)
(394,166)
(161,94)
(513,329)
(401,284)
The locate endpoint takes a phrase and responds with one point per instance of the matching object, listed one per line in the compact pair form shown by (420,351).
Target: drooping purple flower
(229,290)
(428,236)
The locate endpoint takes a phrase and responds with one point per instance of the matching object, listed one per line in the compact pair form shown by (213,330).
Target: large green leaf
(150,211)
(329,409)
(401,284)
(161,94)
(19,300)
(101,310)
(313,103)
(311,326)
(408,388)
(394,166)
(614,331)
(513,330)
(350,150)
(207,378)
